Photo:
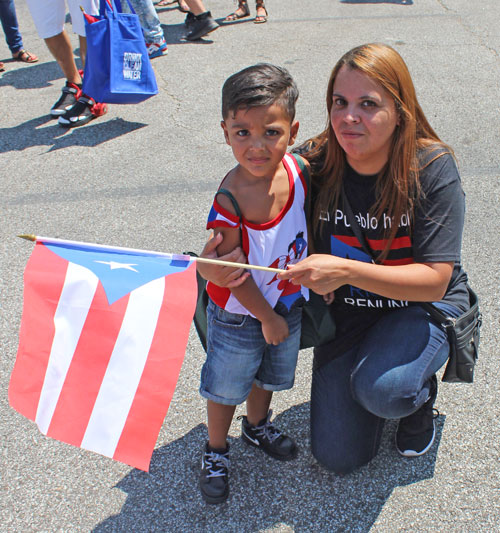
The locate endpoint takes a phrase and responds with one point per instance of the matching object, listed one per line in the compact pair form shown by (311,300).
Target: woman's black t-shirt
(434,235)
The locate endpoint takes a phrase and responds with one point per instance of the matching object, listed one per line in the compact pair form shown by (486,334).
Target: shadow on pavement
(401,2)
(175,33)
(36,76)
(44,131)
(265,493)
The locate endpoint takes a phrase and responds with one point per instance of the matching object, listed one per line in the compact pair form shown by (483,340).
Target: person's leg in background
(91,7)
(86,108)
(10,26)
(60,47)
(48,16)
(151,27)
(199,20)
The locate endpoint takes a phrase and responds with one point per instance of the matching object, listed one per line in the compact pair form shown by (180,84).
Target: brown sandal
(242,6)
(2,67)
(260,19)
(25,56)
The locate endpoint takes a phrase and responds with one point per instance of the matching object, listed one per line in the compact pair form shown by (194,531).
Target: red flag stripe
(157,385)
(125,368)
(87,369)
(43,283)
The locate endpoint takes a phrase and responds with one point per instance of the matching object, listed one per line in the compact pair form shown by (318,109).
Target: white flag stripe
(125,369)
(76,298)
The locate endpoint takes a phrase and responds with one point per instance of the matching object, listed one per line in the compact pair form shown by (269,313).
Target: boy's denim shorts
(238,355)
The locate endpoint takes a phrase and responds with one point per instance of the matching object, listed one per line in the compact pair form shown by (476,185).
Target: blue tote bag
(117,65)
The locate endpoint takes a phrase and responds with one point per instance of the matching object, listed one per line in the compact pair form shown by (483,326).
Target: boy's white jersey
(277,243)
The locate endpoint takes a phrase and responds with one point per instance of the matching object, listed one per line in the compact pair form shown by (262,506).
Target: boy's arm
(274,326)
(223,276)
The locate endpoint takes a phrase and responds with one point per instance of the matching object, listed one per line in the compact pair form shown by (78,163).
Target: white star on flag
(114,265)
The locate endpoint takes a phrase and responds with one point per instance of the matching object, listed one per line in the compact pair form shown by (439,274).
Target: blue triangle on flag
(120,272)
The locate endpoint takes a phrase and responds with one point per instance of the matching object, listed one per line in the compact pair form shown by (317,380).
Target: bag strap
(227,193)
(307,178)
(435,312)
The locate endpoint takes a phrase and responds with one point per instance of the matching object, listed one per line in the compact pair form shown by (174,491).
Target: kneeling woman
(379,155)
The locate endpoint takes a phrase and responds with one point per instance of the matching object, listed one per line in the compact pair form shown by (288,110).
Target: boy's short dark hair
(259,85)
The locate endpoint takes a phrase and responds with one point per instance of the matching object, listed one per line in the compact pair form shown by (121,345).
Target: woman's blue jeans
(10,25)
(385,376)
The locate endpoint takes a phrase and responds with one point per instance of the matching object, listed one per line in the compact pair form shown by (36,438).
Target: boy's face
(259,137)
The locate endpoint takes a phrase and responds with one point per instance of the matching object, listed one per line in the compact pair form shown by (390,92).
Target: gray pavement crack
(469,28)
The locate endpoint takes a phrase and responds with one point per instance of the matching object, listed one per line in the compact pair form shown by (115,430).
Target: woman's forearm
(416,282)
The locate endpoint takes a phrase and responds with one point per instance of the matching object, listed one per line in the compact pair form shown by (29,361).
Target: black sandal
(260,19)
(243,6)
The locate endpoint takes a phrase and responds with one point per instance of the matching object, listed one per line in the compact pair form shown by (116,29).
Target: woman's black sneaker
(268,438)
(416,433)
(214,475)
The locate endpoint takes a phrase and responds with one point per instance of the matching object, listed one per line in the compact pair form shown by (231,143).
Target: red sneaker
(69,96)
(85,110)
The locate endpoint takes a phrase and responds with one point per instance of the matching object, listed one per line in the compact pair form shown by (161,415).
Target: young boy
(253,332)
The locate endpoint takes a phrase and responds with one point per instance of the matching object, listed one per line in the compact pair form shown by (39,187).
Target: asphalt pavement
(143,176)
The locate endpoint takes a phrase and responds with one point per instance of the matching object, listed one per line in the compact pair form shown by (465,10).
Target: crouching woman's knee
(339,463)
(383,397)
(342,448)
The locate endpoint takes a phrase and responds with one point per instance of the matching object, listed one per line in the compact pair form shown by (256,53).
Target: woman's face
(363,117)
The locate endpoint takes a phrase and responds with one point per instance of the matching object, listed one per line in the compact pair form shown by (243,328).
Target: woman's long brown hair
(398,186)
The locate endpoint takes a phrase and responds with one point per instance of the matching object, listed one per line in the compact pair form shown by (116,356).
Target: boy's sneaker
(214,475)
(85,110)
(268,438)
(201,25)
(157,49)
(69,96)
(416,433)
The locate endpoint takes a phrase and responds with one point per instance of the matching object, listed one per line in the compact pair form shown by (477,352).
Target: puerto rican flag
(102,340)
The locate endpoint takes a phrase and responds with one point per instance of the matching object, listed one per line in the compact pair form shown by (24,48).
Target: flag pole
(48,240)
(236,265)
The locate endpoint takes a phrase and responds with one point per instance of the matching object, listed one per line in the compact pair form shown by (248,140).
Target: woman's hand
(222,276)
(321,273)
(416,282)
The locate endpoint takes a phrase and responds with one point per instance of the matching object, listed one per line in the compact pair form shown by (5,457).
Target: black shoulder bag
(463,331)
(317,327)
